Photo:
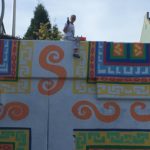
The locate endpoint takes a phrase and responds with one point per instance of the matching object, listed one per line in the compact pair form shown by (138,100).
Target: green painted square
(132,57)
(115,57)
(19,137)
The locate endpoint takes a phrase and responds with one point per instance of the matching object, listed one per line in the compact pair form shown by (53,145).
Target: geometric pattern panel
(9,60)
(91,77)
(15,139)
(133,68)
(123,91)
(26,49)
(80,71)
(114,139)
(127,54)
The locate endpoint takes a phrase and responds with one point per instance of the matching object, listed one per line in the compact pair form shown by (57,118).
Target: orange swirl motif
(15,110)
(136,116)
(83,110)
(53,54)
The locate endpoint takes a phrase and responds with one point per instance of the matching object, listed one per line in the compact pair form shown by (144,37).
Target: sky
(97,20)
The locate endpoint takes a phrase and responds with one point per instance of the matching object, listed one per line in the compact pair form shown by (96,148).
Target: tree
(56,34)
(41,28)
(43,33)
(40,16)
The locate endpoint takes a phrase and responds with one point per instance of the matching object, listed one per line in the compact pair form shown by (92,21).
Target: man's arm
(65,28)
(66,25)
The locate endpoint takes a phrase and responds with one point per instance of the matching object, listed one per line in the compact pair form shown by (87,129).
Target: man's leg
(76,47)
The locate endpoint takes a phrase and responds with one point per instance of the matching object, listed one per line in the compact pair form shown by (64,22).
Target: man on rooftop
(69,31)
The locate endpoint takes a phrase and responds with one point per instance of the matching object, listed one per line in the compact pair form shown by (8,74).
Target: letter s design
(54,54)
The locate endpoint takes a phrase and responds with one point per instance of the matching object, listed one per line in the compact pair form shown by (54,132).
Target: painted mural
(50,100)
(109,139)
(15,138)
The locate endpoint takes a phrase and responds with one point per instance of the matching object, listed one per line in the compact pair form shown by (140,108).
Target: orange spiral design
(136,116)
(15,110)
(83,110)
(53,54)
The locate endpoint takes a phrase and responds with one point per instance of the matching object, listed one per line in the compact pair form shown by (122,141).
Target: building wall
(145,35)
(48,102)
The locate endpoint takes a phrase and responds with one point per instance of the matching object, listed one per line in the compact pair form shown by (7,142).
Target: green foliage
(44,34)
(56,34)
(40,27)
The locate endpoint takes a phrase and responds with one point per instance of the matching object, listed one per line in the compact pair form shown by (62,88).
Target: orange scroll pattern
(83,110)
(135,115)
(15,110)
(53,54)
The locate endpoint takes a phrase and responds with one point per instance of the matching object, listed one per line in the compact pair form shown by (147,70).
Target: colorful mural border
(92,139)
(20,137)
(128,54)
(9,60)
(80,67)
(98,72)
(91,63)
(126,91)
(22,85)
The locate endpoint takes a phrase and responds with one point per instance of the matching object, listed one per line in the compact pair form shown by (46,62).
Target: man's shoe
(76,55)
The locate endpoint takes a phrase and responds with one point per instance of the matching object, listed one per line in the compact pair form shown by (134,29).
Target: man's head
(73,18)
